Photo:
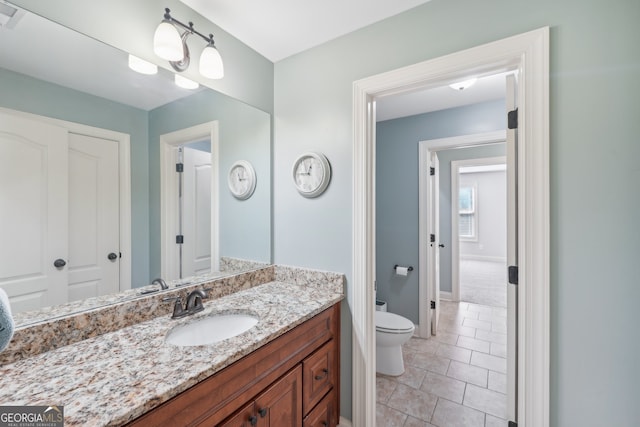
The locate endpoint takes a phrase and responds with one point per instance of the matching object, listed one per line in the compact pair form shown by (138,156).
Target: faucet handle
(178,311)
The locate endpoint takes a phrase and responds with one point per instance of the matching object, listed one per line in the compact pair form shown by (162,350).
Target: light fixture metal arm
(189,28)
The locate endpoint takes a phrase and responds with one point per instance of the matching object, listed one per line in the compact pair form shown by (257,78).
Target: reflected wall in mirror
(89,86)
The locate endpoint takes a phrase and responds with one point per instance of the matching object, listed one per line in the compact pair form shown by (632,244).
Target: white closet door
(94,228)
(196,226)
(33,212)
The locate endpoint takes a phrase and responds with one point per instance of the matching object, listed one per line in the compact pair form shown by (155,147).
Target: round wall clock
(311,174)
(242,179)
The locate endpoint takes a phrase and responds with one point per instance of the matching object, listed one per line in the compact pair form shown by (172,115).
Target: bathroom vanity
(283,371)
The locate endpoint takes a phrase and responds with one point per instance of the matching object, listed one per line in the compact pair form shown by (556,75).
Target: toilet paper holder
(410,268)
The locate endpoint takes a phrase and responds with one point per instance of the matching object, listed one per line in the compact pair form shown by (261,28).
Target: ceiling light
(466,84)
(211,62)
(185,83)
(142,66)
(170,45)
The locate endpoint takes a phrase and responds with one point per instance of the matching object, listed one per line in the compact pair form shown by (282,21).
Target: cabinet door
(281,404)
(319,375)
(245,417)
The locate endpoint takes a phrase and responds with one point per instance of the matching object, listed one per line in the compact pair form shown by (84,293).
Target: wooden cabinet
(291,381)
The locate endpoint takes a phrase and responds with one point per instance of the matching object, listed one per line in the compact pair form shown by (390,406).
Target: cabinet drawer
(319,375)
(324,414)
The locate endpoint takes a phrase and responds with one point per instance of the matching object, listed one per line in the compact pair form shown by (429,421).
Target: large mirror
(54,78)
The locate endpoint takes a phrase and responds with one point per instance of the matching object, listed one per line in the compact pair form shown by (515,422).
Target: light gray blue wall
(595,240)
(245,134)
(23,93)
(397,193)
(446,157)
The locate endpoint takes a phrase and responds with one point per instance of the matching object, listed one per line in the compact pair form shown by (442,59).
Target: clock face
(242,180)
(311,174)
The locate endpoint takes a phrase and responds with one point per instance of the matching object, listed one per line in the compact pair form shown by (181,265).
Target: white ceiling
(280,28)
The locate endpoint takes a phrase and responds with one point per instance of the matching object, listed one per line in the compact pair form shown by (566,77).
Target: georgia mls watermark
(31,416)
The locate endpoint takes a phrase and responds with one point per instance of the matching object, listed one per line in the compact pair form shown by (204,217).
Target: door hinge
(432,171)
(432,238)
(512,119)
(179,239)
(513,274)
(179,167)
(433,305)
(513,424)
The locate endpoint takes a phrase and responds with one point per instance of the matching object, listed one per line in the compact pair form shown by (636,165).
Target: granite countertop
(116,377)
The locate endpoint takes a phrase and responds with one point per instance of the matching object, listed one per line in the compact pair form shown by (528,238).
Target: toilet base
(389,360)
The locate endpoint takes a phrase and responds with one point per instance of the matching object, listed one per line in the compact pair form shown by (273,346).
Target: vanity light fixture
(465,84)
(141,66)
(170,45)
(184,82)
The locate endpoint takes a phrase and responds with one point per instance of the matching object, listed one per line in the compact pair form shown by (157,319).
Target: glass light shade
(141,66)
(463,84)
(167,43)
(211,65)
(185,83)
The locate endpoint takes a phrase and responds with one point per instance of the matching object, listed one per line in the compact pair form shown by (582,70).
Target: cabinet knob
(253,420)
(262,412)
(325,372)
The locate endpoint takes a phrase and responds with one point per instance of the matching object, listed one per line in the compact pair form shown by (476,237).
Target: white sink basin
(211,329)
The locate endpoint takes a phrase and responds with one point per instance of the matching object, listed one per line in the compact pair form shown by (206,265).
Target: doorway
(529,54)
(189,221)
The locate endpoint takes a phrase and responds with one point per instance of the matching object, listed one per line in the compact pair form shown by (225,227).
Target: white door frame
(124,166)
(529,54)
(455,237)
(425,148)
(169,198)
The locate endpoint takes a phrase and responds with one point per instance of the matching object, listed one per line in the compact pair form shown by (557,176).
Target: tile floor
(455,379)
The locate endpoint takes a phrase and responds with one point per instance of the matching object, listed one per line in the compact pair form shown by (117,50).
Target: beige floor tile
(468,373)
(499,350)
(421,345)
(450,414)
(496,337)
(389,417)
(480,308)
(460,330)
(442,386)
(494,363)
(475,315)
(431,362)
(412,376)
(499,311)
(478,324)
(454,353)
(485,400)
(497,382)
(410,401)
(491,421)
(446,337)
(384,387)
(414,422)
(500,327)
(474,344)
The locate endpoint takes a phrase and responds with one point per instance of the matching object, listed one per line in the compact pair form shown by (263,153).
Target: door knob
(59,263)
(112,256)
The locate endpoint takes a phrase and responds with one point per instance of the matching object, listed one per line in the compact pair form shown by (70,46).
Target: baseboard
(483,258)
(446,295)
(344,422)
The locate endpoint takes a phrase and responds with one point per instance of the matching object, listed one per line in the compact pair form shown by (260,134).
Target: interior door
(196,218)
(435,245)
(512,253)
(94,223)
(33,212)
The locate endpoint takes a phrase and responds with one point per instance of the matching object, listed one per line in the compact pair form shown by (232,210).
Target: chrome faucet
(194,301)
(161,282)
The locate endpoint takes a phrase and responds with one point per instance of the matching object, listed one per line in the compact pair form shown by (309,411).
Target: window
(467,218)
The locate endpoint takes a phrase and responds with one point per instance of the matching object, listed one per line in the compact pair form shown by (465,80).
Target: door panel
(33,221)
(196,223)
(434,260)
(94,226)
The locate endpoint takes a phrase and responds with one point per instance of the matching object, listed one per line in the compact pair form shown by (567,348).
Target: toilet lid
(389,322)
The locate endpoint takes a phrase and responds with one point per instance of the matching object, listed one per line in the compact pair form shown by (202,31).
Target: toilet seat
(392,323)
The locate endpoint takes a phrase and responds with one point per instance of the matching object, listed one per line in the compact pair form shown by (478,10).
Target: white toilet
(392,331)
